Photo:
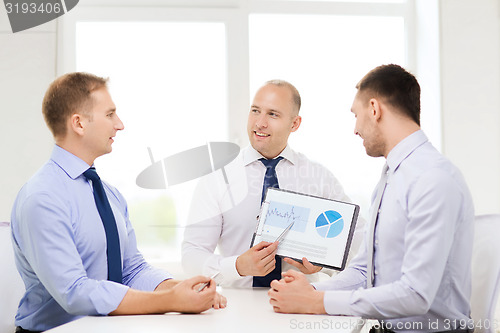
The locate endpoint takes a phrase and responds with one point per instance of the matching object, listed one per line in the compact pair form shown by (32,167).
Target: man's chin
(373,153)
(107,151)
(258,146)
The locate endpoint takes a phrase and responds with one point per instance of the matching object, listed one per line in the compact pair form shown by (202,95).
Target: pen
(204,285)
(280,237)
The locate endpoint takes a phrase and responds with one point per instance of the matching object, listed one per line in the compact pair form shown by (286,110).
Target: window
(325,56)
(183,73)
(168,80)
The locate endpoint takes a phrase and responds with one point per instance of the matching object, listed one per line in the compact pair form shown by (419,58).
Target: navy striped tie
(108,220)
(270,180)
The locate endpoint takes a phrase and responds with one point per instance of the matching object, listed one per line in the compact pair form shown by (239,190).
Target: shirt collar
(404,149)
(71,164)
(251,155)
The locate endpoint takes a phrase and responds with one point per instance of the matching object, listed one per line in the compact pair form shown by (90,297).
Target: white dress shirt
(226,215)
(422,247)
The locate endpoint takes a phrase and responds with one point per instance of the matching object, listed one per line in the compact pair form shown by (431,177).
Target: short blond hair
(67,95)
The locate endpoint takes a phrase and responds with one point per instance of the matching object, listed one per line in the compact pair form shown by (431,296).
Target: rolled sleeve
(107,296)
(149,278)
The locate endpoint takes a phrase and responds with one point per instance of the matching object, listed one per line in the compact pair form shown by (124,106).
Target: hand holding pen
(204,285)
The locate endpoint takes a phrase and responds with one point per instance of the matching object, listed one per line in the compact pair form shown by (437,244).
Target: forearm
(170,296)
(394,300)
(146,302)
(166,284)
(349,279)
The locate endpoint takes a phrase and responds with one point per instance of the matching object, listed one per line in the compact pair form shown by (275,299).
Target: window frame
(235,15)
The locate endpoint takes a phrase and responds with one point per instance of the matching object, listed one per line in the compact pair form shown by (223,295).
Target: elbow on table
(78,301)
(421,305)
(78,308)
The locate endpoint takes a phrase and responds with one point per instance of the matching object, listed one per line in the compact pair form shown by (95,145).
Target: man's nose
(119,125)
(261,121)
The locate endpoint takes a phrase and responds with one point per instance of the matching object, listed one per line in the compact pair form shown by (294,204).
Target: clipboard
(322,230)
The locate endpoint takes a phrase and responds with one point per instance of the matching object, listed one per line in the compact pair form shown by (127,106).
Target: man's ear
(296,123)
(77,123)
(376,109)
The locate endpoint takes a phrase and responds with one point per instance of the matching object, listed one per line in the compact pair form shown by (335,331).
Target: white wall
(27,66)
(470,92)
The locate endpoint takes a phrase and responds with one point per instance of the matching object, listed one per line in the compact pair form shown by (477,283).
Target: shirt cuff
(107,296)
(228,269)
(150,279)
(338,302)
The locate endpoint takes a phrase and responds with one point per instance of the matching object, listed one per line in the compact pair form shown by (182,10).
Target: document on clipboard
(322,228)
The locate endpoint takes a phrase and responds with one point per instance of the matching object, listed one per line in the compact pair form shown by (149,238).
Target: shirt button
(376,272)
(376,242)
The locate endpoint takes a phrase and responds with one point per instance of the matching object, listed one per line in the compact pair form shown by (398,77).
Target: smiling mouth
(261,135)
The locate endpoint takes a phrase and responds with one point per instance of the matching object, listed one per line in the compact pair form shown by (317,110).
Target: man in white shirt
(413,271)
(225,206)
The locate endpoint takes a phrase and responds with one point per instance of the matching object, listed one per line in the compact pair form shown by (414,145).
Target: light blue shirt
(60,247)
(422,247)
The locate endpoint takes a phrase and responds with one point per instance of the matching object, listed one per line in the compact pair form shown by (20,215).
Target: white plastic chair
(11,284)
(485,272)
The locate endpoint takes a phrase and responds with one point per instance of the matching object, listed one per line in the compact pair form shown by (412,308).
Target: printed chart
(281,215)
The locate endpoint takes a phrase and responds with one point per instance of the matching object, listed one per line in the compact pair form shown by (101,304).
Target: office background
(453,47)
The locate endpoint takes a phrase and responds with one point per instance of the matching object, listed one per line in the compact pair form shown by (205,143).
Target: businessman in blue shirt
(413,271)
(73,260)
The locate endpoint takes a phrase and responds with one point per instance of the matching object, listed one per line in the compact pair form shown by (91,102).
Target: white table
(248,310)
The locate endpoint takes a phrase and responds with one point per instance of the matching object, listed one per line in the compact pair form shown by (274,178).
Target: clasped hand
(294,294)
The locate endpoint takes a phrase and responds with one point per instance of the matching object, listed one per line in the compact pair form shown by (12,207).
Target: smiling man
(74,245)
(225,206)
(413,271)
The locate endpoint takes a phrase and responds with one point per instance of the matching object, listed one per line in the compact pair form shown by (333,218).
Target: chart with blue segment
(329,224)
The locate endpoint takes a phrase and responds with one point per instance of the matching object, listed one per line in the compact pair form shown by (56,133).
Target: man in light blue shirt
(418,245)
(59,240)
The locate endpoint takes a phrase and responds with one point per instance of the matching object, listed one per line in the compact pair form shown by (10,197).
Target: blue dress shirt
(422,247)
(60,247)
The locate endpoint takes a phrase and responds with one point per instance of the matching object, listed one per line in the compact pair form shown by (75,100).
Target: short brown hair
(295,93)
(396,86)
(67,95)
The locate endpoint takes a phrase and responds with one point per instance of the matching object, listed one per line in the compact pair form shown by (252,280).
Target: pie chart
(329,224)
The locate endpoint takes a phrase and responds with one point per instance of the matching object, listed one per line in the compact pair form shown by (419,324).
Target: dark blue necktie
(108,220)
(270,180)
